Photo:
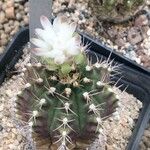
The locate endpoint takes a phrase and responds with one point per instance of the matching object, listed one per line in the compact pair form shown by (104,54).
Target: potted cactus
(116,11)
(66,97)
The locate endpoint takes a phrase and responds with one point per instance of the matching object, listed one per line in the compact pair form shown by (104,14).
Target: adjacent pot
(134,76)
(116,11)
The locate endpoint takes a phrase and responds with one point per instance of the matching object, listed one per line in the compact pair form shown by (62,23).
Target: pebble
(3,41)
(13,15)
(131,122)
(141,21)
(1,49)
(10,3)
(112,32)
(145,142)
(9,92)
(2,17)
(1,107)
(10,13)
(16,142)
(18,16)
(148,2)
(147,133)
(134,36)
(120,41)
(148,32)
(19,138)
(116,116)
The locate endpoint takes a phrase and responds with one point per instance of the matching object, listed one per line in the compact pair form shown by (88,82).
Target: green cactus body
(115,10)
(67,110)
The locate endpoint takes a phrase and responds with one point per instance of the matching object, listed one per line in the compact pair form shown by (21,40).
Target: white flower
(57,41)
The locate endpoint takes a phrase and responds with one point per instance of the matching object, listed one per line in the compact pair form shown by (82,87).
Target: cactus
(116,11)
(66,104)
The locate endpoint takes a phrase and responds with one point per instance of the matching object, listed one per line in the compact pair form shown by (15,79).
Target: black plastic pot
(136,77)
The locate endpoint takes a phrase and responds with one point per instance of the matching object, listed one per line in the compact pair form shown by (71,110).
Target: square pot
(136,77)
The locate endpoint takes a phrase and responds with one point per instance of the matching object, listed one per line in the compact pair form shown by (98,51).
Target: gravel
(13,15)
(145,142)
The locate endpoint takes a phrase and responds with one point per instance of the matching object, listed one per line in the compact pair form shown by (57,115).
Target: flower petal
(49,38)
(72,27)
(73,45)
(57,41)
(39,43)
(58,21)
(78,40)
(46,23)
(60,59)
(41,52)
(66,31)
(55,53)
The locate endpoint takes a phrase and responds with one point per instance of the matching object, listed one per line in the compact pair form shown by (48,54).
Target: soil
(15,135)
(145,142)
(13,16)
